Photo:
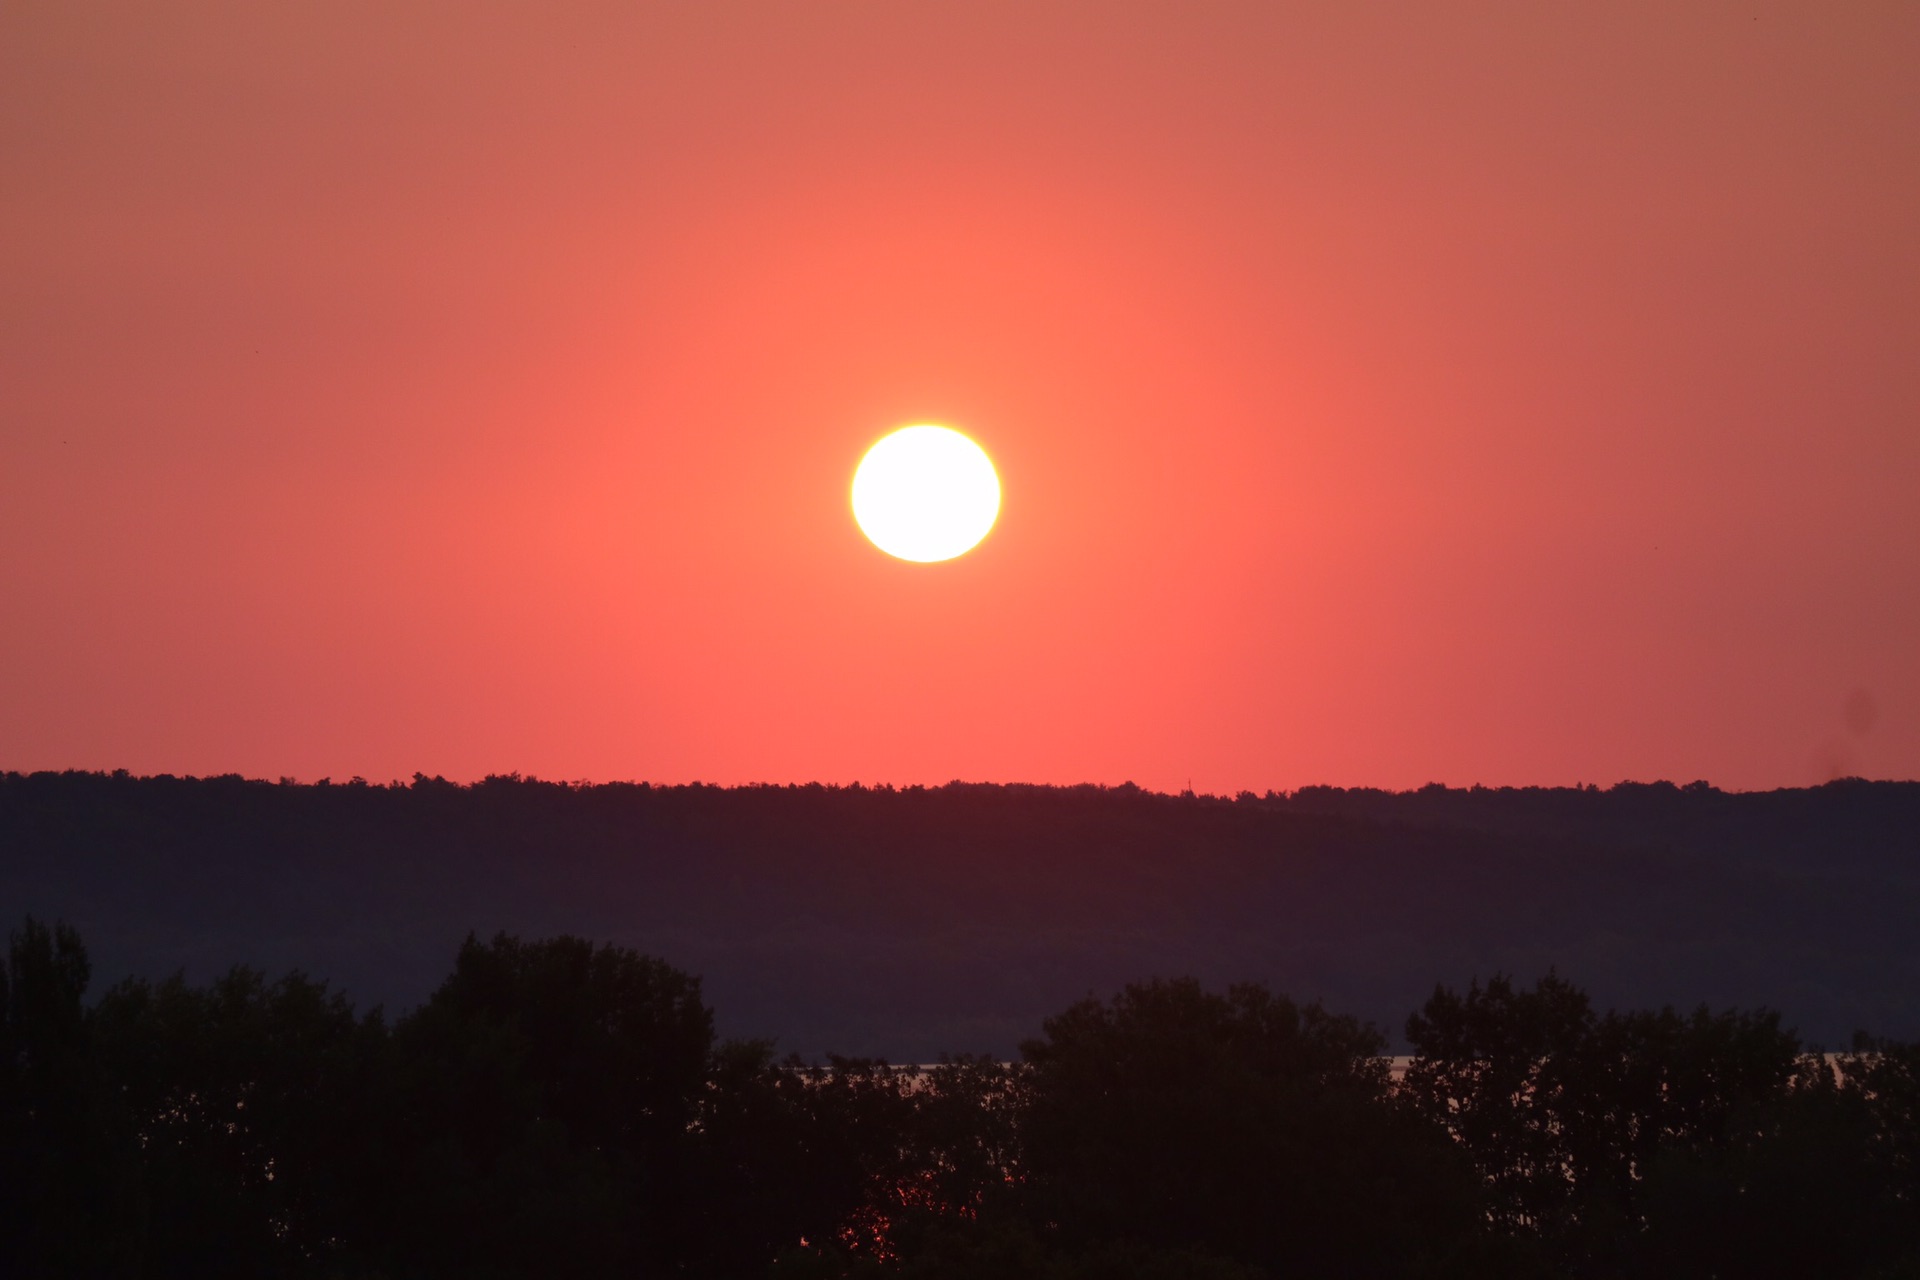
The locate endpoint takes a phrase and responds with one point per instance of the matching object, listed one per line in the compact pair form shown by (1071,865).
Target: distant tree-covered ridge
(561,1108)
(907,922)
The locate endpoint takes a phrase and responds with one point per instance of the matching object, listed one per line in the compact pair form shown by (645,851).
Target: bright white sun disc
(925,493)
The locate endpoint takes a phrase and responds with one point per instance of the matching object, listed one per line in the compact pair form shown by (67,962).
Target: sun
(925,493)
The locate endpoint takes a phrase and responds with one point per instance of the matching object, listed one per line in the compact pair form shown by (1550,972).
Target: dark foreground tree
(68,1175)
(1242,1126)
(257,1105)
(1790,1191)
(1665,1144)
(792,1153)
(559,1109)
(543,1103)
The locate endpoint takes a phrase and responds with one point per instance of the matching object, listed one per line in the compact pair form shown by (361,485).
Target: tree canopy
(560,1108)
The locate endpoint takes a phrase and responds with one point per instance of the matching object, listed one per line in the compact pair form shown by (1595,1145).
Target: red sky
(1508,393)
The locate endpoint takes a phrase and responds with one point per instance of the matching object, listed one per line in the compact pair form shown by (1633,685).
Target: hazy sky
(1511,393)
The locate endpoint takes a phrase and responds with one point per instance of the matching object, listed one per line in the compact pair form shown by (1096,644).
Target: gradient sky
(1503,393)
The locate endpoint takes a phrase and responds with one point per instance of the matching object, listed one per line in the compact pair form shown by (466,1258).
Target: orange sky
(1382,394)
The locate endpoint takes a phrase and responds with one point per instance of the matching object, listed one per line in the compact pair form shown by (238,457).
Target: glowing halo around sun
(925,493)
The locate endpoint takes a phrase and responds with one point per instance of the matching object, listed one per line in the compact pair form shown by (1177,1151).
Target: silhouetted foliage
(1242,1126)
(563,1109)
(255,1104)
(67,1204)
(1656,1143)
(544,1098)
(1791,1190)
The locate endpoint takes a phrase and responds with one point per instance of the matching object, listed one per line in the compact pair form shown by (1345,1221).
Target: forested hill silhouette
(909,922)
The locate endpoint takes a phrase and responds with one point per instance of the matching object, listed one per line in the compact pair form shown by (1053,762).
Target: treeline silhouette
(559,1109)
(906,922)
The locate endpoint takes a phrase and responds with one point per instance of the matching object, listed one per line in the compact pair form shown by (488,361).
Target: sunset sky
(1381,394)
